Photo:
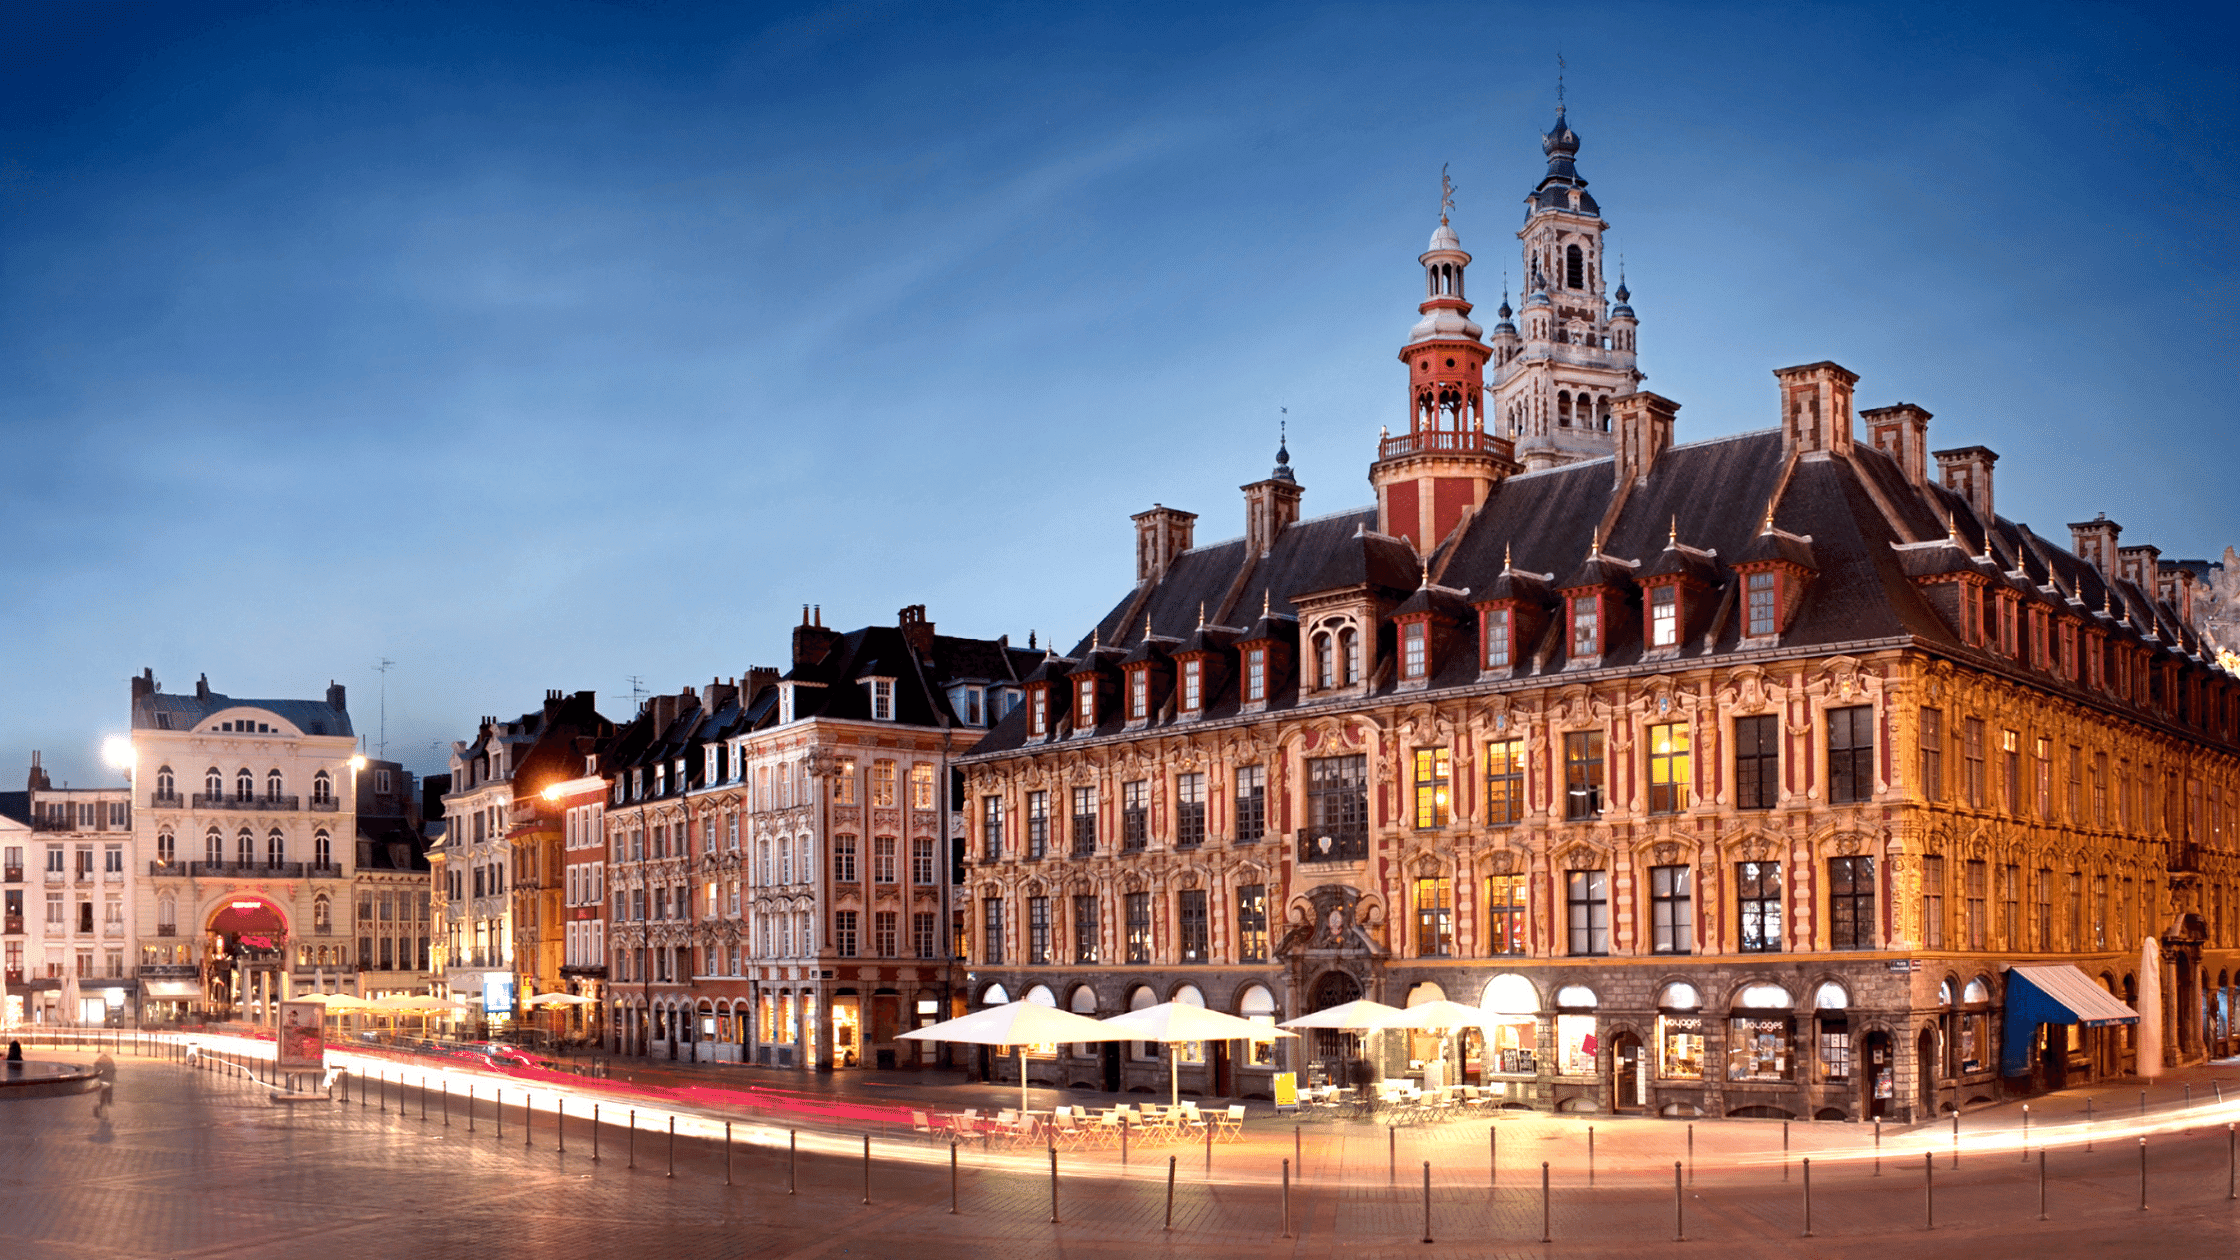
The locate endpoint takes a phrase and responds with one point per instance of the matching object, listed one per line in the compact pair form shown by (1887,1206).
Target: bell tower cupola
(1553,390)
(1446,461)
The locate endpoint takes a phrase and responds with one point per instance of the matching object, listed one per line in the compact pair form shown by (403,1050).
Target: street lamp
(117,751)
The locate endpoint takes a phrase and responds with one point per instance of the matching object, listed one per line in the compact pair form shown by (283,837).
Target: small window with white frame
(882,699)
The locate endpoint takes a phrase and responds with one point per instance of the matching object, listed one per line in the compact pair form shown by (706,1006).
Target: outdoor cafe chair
(1231,1123)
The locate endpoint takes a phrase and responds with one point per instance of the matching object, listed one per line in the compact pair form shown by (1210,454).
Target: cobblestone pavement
(203,1163)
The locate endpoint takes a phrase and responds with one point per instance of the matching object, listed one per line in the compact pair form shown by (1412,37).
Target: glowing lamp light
(117,751)
(358,762)
(552,793)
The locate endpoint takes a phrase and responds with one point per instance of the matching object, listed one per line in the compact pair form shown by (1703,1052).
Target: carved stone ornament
(1848,846)
(1755,849)
(1668,853)
(1187,879)
(1503,862)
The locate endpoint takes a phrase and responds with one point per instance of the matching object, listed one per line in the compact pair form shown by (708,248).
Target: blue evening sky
(544,346)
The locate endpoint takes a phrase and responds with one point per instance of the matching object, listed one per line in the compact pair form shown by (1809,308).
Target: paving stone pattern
(202,1163)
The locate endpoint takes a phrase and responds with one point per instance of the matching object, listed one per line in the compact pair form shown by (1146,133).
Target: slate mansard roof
(159,710)
(1862,535)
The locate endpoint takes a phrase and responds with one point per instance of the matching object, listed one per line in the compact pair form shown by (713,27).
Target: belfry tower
(1554,379)
(1446,463)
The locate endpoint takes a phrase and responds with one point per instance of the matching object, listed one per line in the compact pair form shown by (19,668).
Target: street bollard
(793,1159)
(1209,1150)
(1878,1148)
(1929,1187)
(470,1102)
(384,1092)
(446,1104)
(1784,1150)
(1053,1182)
(2041,1183)
(2142,1174)
(594,1133)
(2142,1104)
(1956,1138)
(498,1105)
(2189,1093)
(560,1124)
(630,1148)
(1493,1156)
(1590,1154)
(1297,1156)
(1123,1141)
(1808,1196)
(1427,1201)
(867,1168)
(727,1152)
(2026,1133)
(2088,1126)
(1691,1154)
(952,1176)
(1170,1194)
(1287,1198)
(423,1096)
(1391,1153)
(673,1147)
(1544,1202)
(361,1091)
(1679,1219)
(528,1127)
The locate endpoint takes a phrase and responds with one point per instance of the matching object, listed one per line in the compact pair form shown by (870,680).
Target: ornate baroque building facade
(1727,778)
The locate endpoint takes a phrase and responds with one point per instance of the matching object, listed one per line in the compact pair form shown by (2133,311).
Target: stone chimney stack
(144,685)
(1901,431)
(1966,471)
(2094,541)
(1161,534)
(917,631)
(39,782)
(2141,566)
(1644,424)
(335,697)
(812,642)
(760,678)
(1816,407)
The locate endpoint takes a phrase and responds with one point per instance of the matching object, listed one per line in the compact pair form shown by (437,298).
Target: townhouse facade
(1727,778)
(68,927)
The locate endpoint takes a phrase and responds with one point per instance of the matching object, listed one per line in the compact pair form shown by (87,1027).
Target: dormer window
(1325,662)
(1085,704)
(1193,685)
(1256,675)
(2009,630)
(660,779)
(1664,616)
(1586,625)
(1497,638)
(1139,694)
(1415,649)
(1762,597)
(638,784)
(1349,646)
(1971,614)
(1038,711)
(882,700)
(785,703)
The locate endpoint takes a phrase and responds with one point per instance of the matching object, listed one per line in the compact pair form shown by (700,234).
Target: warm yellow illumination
(552,793)
(117,751)
(358,762)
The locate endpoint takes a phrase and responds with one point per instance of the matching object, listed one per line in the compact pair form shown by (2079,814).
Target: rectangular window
(843,859)
(1193,689)
(1971,757)
(1135,815)
(1138,908)
(1504,782)
(1505,902)
(882,784)
(1497,639)
(960,933)
(882,859)
(1586,625)
(991,931)
(2042,920)
(2076,911)
(1434,918)
(1979,925)
(1252,923)
(921,861)
(1190,907)
(1256,675)
(1757,761)
(1038,709)
(1085,706)
(1664,616)
(1085,929)
(882,700)
(991,827)
(1084,822)
(1252,804)
(1932,754)
(2010,746)
(844,782)
(1764,609)
(1189,810)
(1851,754)
(1671,910)
(2076,786)
(1668,768)
(1582,775)
(1851,903)
(883,923)
(1414,649)
(921,785)
(1139,694)
(1337,810)
(2010,907)
(1758,897)
(2099,912)
(1432,786)
(2041,770)
(1038,931)
(1038,825)
(844,933)
(1932,901)
(1587,912)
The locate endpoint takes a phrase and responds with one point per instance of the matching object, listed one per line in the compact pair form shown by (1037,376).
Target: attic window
(1085,707)
(1586,625)
(1139,694)
(1413,649)
(1039,711)
(1497,639)
(1256,675)
(882,700)
(1764,604)
(1664,616)
(1193,673)
(785,703)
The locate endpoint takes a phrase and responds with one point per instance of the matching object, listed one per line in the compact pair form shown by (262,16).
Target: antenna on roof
(1560,68)
(381,749)
(637,691)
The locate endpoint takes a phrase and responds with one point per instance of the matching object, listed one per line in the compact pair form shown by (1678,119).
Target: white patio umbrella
(1172,1022)
(1021,1024)
(558,999)
(1359,1015)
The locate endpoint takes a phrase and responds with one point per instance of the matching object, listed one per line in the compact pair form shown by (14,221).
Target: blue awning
(2052,994)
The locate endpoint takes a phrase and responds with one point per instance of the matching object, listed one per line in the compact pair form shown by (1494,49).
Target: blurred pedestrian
(106,1067)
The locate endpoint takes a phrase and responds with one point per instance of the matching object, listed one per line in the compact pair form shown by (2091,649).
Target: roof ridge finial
(1201,614)
(1446,194)
(1767,528)
(1147,625)
(1506,562)
(1096,638)
(1267,594)
(1560,68)
(1672,535)
(1594,543)
(1424,581)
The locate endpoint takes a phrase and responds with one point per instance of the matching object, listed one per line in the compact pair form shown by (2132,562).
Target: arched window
(273,785)
(275,848)
(1830,996)
(1325,665)
(167,915)
(322,788)
(165,785)
(214,784)
(1349,647)
(167,847)
(1679,996)
(1977,992)
(245,785)
(1602,413)
(1574,267)
(1139,998)
(995,996)
(245,848)
(214,847)
(1041,995)
(322,849)
(1563,409)
(1764,997)
(322,913)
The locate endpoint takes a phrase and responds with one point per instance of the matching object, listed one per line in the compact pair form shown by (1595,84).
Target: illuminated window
(1433,772)
(1664,616)
(1668,768)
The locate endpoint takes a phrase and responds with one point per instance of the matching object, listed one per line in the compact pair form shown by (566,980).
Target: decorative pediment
(1506,862)
(1187,878)
(1580,856)
(1754,847)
